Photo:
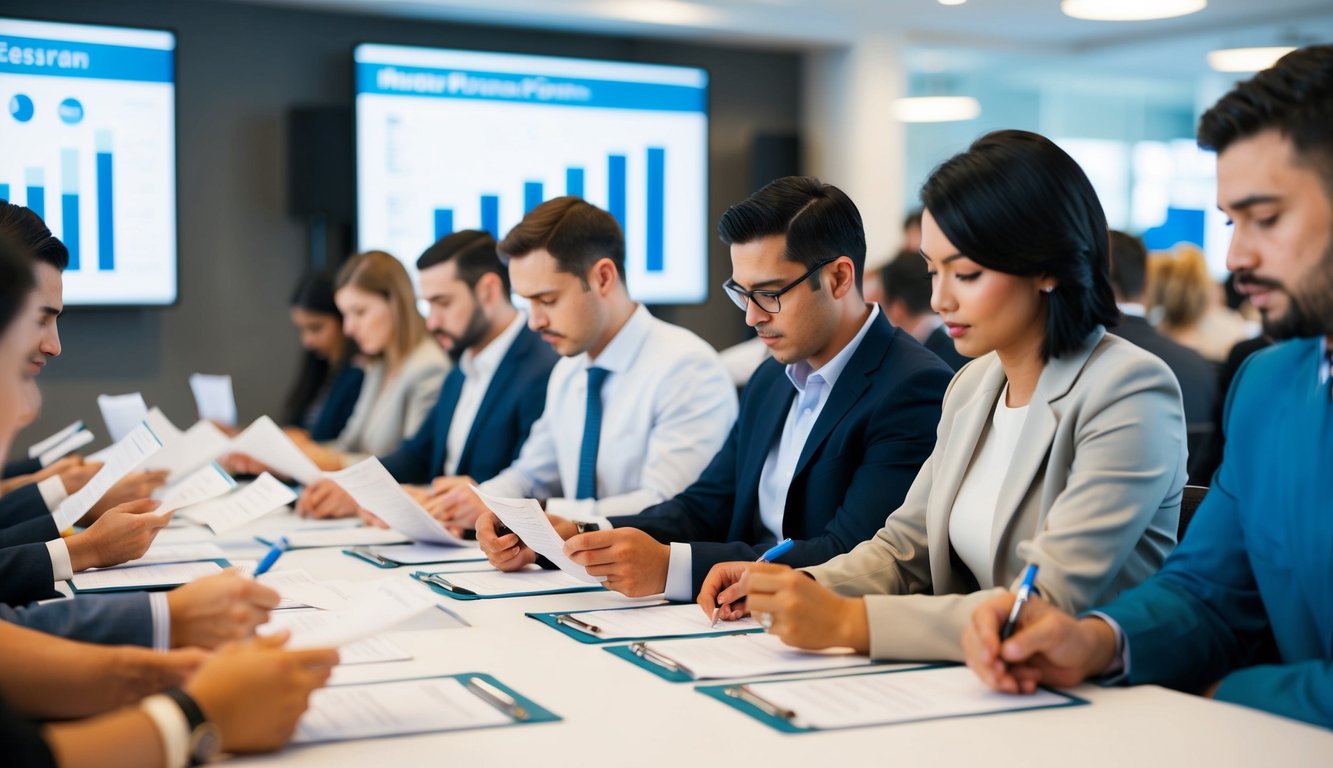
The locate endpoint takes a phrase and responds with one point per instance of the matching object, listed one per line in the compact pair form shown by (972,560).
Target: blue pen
(1024,592)
(272,556)
(774,552)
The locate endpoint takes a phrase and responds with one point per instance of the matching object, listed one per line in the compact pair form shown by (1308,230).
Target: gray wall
(239,69)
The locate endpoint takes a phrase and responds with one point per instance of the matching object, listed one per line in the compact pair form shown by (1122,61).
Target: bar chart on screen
(451,140)
(89,138)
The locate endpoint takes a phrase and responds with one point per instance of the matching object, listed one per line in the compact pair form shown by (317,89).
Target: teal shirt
(1256,565)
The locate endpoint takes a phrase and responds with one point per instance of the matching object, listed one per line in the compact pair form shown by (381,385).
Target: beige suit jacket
(1092,496)
(388,412)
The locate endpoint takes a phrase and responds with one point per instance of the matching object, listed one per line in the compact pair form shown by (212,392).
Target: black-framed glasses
(769,301)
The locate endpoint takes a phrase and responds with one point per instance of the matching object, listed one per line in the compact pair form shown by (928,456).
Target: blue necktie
(592,432)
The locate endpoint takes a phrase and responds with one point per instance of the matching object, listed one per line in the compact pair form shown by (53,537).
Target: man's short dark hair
(474,254)
(1294,96)
(907,279)
(1129,265)
(819,221)
(16,281)
(27,232)
(575,232)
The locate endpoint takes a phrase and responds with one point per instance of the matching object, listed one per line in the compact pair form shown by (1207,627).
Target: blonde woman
(1186,304)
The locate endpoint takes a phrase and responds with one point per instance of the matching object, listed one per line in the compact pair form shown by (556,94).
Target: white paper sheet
(367,711)
(751,655)
(415,554)
(373,488)
(213,397)
(42,446)
(369,650)
(203,484)
(265,442)
(299,586)
(899,697)
(162,426)
(241,506)
(526,518)
(337,537)
(167,552)
(656,621)
(519,582)
(118,460)
(142,576)
(389,603)
(122,413)
(67,446)
(189,450)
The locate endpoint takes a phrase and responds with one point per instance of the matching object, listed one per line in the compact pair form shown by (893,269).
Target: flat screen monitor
(451,140)
(88,141)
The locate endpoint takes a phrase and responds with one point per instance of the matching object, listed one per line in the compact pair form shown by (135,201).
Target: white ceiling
(1173,47)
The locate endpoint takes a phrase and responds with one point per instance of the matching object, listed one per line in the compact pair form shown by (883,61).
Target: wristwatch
(205,738)
(584,527)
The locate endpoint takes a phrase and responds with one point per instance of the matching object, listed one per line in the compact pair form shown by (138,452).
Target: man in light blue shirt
(831,432)
(636,407)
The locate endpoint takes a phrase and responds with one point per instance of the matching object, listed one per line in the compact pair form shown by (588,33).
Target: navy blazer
(22,505)
(514,400)
(113,619)
(25,574)
(22,467)
(864,451)
(338,404)
(941,344)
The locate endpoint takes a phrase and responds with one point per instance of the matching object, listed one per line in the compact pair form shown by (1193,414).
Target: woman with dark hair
(326,390)
(1059,445)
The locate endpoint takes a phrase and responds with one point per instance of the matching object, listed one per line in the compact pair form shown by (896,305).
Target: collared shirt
(478,370)
(667,406)
(813,388)
(1132,309)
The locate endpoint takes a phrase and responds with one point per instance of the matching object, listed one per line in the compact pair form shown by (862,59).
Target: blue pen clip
(776,551)
(272,556)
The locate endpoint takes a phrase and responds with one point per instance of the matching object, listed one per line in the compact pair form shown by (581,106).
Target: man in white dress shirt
(660,405)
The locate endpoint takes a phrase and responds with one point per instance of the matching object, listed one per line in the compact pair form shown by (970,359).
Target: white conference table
(614,713)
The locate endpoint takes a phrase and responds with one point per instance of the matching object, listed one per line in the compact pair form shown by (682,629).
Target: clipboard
(222,563)
(384,561)
(440,584)
(566,623)
(664,666)
(749,699)
(524,711)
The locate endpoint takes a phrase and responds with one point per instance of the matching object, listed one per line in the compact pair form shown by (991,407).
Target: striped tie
(592,432)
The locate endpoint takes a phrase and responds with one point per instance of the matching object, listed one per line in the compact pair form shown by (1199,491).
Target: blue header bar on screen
(69,58)
(554,90)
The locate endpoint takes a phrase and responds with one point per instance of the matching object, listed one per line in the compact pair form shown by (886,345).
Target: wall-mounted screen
(89,143)
(459,140)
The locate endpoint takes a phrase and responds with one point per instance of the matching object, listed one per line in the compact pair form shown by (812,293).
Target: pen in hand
(774,552)
(1024,592)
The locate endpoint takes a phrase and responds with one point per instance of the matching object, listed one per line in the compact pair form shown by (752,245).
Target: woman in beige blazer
(406,368)
(1059,445)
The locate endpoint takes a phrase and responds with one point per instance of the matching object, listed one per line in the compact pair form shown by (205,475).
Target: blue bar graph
(106,233)
(490,214)
(4,192)
(656,221)
(444,222)
(532,195)
(36,179)
(615,188)
(69,203)
(574,182)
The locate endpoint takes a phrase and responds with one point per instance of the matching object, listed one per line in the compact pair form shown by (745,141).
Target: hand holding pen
(722,604)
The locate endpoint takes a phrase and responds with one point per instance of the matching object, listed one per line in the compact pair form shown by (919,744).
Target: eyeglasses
(769,301)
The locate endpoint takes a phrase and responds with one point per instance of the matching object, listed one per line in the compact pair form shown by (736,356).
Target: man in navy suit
(831,432)
(487,403)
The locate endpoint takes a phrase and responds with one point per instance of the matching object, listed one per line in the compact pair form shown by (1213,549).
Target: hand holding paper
(527,520)
(371,485)
(253,501)
(117,460)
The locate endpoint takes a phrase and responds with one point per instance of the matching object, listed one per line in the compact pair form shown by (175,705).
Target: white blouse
(972,519)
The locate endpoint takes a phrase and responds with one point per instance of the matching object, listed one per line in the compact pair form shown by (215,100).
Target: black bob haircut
(1016,203)
(819,221)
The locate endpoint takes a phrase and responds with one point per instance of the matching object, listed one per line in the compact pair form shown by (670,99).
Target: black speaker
(321,163)
(772,156)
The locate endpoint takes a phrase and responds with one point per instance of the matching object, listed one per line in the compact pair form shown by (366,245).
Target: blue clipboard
(385,562)
(150,588)
(766,713)
(439,583)
(552,620)
(536,713)
(668,670)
